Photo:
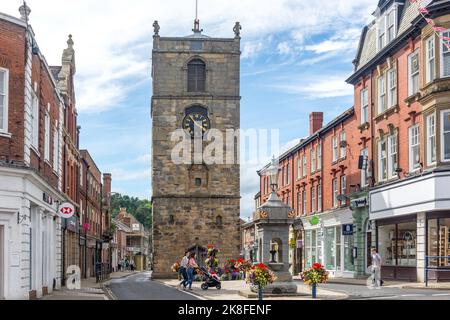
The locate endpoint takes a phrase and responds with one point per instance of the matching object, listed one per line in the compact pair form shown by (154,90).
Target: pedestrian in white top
(376,269)
(183,270)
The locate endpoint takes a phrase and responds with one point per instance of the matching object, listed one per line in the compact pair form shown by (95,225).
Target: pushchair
(212,280)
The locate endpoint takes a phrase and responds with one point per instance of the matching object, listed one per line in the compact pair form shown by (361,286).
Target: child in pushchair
(212,280)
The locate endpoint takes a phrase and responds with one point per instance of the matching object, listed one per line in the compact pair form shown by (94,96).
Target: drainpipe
(63,228)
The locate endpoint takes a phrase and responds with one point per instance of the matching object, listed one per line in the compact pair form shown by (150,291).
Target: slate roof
(408,15)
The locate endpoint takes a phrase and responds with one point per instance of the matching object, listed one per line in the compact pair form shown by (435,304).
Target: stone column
(421,246)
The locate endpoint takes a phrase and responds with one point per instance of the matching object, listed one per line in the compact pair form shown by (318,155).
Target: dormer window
(387,27)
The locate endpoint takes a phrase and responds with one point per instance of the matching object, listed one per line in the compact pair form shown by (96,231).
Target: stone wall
(185,214)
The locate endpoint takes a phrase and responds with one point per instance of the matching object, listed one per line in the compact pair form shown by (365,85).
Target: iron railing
(436,268)
(102,272)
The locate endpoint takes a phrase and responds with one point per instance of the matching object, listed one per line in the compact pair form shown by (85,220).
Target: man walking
(376,269)
(183,270)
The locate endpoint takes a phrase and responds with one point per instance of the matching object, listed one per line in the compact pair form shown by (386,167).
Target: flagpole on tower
(196,21)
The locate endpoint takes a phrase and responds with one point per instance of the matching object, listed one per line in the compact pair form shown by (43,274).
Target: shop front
(30,235)
(329,240)
(438,245)
(412,220)
(397,246)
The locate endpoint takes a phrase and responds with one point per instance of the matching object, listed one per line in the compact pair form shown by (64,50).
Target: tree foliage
(140,209)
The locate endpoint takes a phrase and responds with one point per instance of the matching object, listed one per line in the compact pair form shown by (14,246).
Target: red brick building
(31,173)
(378,174)
(313,175)
(403,66)
(40,167)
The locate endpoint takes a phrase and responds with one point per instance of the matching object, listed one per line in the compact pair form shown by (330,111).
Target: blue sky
(296,55)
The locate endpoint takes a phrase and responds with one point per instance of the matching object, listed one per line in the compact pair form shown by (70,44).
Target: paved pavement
(140,287)
(394,292)
(231,290)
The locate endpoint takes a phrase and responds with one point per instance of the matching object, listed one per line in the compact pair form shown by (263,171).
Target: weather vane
(196,21)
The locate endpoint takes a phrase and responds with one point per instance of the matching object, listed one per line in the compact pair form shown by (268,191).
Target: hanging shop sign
(314,221)
(347,230)
(360,203)
(66,210)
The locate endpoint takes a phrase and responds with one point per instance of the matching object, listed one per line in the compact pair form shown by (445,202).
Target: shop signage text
(360,203)
(347,230)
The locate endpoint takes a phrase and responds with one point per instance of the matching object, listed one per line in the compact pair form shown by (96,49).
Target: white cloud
(284,48)
(324,87)
(113,38)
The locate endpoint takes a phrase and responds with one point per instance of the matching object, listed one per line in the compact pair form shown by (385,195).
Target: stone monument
(273,220)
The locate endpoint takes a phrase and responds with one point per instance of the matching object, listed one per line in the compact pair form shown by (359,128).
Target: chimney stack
(107,185)
(315,122)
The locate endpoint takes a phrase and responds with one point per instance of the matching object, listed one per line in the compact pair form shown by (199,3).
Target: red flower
(317,266)
(211,247)
(262,266)
(240,260)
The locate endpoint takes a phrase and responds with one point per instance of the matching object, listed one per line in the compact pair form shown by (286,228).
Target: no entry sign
(66,210)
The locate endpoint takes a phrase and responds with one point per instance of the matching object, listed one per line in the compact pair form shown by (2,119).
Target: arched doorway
(201,254)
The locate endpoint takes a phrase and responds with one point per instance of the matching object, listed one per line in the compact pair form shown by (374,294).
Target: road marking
(441,295)
(189,293)
(413,295)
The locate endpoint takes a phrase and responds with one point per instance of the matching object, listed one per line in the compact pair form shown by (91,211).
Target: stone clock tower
(196,84)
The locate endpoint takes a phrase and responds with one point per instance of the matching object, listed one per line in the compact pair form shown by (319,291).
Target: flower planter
(314,291)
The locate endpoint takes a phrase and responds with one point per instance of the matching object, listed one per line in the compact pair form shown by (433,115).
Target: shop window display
(312,248)
(349,260)
(439,242)
(397,244)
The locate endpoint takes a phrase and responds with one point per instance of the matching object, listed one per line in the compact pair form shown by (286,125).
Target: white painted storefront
(30,235)
(325,243)
(410,201)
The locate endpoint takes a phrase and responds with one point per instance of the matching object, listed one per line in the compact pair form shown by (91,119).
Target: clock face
(196,122)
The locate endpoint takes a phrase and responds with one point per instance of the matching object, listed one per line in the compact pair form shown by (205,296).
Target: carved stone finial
(70,42)
(237,30)
(156,28)
(24,12)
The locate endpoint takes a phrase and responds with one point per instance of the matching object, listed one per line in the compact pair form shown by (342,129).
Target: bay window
(364,106)
(431,139)
(445,56)
(413,73)
(381,94)
(382,160)
(4,93)
(414,148)
(430,59)
(445,137)
(392,93)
